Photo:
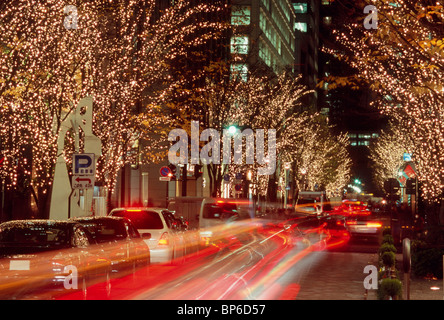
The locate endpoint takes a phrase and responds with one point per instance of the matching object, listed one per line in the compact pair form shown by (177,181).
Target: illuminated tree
(387,151)
(257,101)
(403,62)
(51,56)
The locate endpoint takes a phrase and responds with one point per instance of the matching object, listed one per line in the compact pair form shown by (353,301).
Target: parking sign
(84,164)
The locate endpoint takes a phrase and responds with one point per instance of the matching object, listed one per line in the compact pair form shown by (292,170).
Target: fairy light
(119,54)
(302,138)
(403,62)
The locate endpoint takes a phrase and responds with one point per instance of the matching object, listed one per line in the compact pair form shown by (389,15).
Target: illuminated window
(301,26)
(239,70)
(240,15)
(266,4)
(300,7)
(239,44)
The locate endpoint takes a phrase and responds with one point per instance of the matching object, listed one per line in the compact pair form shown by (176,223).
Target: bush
(388,239)
(387,247)
(387,231)
(390,288)
(388,259)
(427,261)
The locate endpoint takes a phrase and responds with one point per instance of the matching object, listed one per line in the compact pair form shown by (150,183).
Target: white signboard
(82,182)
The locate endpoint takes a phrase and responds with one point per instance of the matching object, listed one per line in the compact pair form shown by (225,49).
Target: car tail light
(374,225)
(163,241)
(351,222)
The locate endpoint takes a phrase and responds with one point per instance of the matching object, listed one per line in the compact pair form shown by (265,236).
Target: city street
(264,268)
(241,150)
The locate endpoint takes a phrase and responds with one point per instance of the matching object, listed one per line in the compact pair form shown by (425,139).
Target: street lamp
(232,129)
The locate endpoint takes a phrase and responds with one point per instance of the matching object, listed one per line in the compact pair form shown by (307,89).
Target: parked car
(46,255)
(164,241)
(120,240)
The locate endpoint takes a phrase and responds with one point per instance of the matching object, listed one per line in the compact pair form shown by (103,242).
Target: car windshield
(220,211)
(142,219)
(35,235)
(105,230)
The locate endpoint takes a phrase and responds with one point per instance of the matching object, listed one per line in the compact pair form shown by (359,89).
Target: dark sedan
(40,257)
(120,241)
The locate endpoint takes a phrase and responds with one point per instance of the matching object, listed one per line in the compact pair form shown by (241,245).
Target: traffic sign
(84,164)
(165,171)
(82,182)
(164,179)
(238,187)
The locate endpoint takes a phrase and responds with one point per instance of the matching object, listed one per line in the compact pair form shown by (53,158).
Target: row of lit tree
(402,61)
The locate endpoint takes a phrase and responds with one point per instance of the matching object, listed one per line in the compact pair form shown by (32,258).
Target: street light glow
(232,129)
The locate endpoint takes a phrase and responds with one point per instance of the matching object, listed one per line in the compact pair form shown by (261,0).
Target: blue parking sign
(84,164)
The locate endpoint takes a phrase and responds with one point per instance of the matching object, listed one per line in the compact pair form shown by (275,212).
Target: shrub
(387,247)
(388,239)
(427,261)
(388,259)
(387,231)
(390,288)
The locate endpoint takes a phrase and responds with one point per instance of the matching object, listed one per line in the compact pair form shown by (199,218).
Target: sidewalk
(420,289)
(339,276)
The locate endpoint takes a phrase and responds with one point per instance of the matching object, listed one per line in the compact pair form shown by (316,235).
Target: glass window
(141,219)
(239,70)
(300,7)
(239,44)
(219,211)
(240,15)
(35,234)
(301,26)
(105,230)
